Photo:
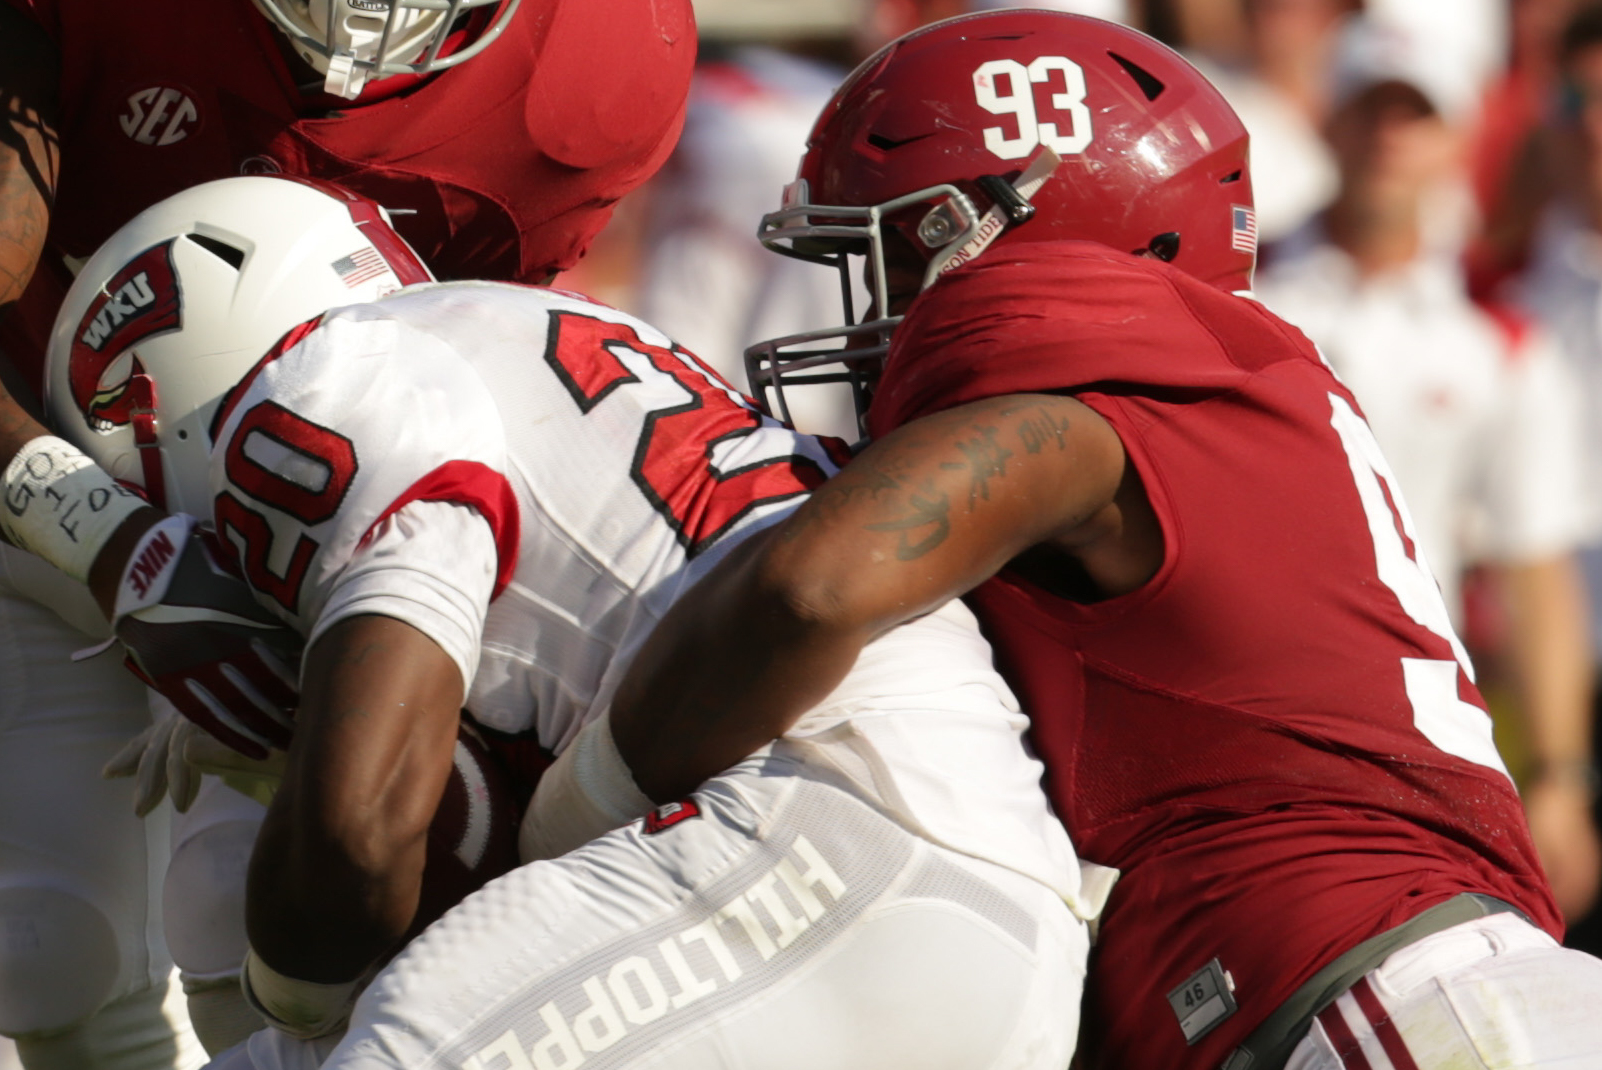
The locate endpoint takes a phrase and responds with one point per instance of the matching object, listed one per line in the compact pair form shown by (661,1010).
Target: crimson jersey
(1277,739)
(504,167)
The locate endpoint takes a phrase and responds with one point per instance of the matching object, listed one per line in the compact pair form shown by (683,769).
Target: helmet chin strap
(994,222)
(344,78)
(350,69)
(142,393)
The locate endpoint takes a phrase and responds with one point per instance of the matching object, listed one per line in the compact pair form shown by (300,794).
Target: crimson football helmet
(999,127)
(352,41)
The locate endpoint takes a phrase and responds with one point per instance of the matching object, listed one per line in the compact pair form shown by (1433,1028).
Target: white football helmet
(352,41)
(177,306)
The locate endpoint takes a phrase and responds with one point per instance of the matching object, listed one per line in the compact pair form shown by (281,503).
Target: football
(473,837)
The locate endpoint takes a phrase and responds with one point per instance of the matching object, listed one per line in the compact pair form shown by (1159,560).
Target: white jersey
(1563,288)
(1482,431)
(531,479)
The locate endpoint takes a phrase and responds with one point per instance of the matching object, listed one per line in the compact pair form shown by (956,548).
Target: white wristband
(586,793)
(60,505)
(303,1009)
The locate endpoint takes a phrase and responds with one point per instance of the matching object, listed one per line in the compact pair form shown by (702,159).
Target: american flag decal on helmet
(1244,229)
(359,267)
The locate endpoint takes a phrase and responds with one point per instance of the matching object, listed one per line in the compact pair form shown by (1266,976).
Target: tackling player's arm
(337,868)
(925,514)
(29,152)
(29,147)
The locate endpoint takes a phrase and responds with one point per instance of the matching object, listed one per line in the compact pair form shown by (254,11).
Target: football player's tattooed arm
(925,514)
(337,868)
(29,152)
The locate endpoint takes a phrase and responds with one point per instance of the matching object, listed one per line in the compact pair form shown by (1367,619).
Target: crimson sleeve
(1055,317)
(42,13)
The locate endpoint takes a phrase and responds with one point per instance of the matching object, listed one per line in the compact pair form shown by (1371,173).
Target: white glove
(170,756)
(155,758)
(255,778)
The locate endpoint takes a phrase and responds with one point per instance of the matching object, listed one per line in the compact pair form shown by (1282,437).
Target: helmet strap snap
(1006,197)
(344,78)
(1000,216)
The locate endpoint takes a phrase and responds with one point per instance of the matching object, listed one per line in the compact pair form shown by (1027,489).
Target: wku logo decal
(141,301)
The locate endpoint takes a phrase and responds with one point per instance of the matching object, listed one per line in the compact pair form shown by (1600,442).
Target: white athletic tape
(60,505)
(303,1009)
(588,792)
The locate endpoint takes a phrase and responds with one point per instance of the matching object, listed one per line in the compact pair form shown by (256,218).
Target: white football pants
(83,969)
(1495,993)
(786,926)
(203,909)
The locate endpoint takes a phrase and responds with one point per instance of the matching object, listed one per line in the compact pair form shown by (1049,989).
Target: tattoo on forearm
(22,228)
(860,481)
(899,492)
(868,481)
(933,513)
(359,655)
(29,151)
(985,458)
(1041,429)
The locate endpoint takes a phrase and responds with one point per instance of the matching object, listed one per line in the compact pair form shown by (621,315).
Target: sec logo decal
(160,115)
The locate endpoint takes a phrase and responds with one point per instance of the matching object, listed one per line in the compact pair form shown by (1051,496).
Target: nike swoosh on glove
(194,632)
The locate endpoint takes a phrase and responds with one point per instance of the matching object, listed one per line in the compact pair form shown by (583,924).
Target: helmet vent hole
(1232,177)
(234,258)
(879,141)
(1164,246)
(1149,84)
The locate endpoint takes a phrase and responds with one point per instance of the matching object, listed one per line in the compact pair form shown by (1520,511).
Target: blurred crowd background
(1428,181)
(1429,193)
